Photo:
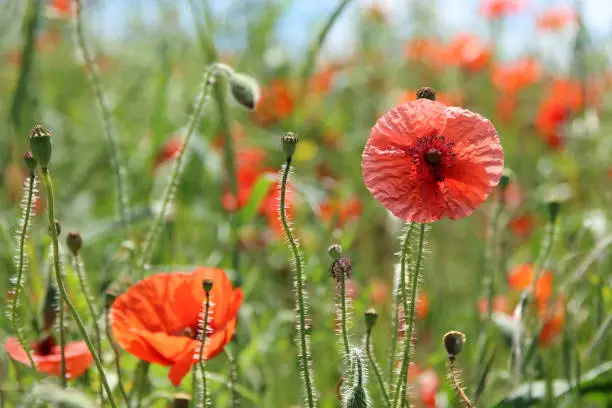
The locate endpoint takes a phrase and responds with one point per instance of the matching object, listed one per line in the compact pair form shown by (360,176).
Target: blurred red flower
(426,50)
(47,356)
(552,319)
(321,81)
(500,305)
(379,290)
(427,385)
(505,106)
(468,52)
(511,78)
(521,277)
(157,318)
(340,211)
(522,226)
(168,151)
(493,9)
(424,161)
(275,104)
(60,8)
(556,18)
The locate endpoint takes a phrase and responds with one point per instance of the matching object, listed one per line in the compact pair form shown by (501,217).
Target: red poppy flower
(427,385)
(157,318)
(511,78)
(379,291)
(61,8)
(47,356)
(424,161)
(522,225)
(556,18)
(498,8)
(468,52)
(426,50)
(275,104)
(169,151)
(340,211)
(505,106)
(500,305)
(553,320)
(521,276)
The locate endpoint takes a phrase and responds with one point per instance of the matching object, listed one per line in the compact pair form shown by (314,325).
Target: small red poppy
(425,161)
(157,318)
(48,359)
(556,18)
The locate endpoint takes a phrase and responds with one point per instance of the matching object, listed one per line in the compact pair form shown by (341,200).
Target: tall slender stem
(454,375)
(408,303)
(62,287)
(304,350)
(23,234)
(62,336)
(343,313)
(111,138)
(376,369)
(201,361)
(111,340)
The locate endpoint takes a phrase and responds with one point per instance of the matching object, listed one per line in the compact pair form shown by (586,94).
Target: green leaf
(597,380)
(258,194)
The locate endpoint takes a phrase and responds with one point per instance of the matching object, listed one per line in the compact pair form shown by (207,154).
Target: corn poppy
(521,277)
(556,18)
(425,50)
(275,104)
(522,226)
(553,320)
(500,305)
(157,318)
(340,211)
(425,161)
(468,52)
(60,8)
(427,385)
(168,151)
(47,356)
(510,78)
(493,9)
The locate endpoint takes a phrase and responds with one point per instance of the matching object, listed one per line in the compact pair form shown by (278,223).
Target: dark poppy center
(45,346)
(433,156)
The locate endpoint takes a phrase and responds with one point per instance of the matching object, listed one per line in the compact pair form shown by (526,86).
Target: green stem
(88,298)
(343,319)
(62,336)
(397,296)
(27,211)
(376,369)
(201,361)
(402,378)
(177,171)
(62,287)
(233,378)
(111,138)
(304,351)
(111,340)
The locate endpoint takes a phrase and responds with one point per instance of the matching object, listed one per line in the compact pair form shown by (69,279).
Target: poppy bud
(289,140)
(371,316)
(453,341)
(40,145)
(74,242)
(244,89)
(426,93)
(553,210)
(207,284)
(58,228)
(335,251)
(29,161)
(181,400)
(505,179)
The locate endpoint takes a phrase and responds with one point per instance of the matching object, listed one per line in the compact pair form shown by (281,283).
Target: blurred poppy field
(270,203)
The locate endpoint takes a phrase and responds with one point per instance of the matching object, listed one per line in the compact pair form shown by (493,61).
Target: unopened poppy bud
(371,316)
(30,161)
(553,210)
(426,93)
(453,341)
(74,242)
(335,251)
(41,145)
(244,89)
(58,228)
(181,400)
(207,284)
(505,179)
(289,140)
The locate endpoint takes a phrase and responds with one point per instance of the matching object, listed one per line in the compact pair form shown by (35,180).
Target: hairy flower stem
(456,383)
(177,171)
(304,349)
(397,299)
(23,234)
(233,378)
(203,400)
(62,336)
(78,266)
(62,287)
(376,369)
(343,312)
(111,138)
(117,354)
(409,304)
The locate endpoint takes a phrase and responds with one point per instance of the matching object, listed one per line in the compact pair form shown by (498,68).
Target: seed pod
(289,140)
(426,93)
(41,145)
(453,341)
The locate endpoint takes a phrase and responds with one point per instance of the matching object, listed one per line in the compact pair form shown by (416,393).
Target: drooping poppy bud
(30,161)
(505,179)
(74,242)
(244,89)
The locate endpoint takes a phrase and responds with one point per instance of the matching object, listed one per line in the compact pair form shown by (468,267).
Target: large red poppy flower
(157,319)
(48,359)
(425,161)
